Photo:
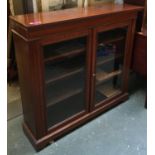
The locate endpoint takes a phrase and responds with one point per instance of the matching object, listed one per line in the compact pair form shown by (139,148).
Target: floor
(120,131)
(14,106)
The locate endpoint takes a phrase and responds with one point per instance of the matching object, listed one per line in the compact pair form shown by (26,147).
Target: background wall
(46,4)
(16,6)
(91,2)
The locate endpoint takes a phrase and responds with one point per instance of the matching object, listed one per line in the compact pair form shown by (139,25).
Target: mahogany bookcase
(73,65)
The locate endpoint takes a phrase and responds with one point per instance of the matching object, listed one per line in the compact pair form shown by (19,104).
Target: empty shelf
(64,69)
(59,91)
(102,76)
(108,90)
(63,51)
(64,109)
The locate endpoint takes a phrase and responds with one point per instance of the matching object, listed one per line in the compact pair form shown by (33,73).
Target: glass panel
(65,71)
(109,64)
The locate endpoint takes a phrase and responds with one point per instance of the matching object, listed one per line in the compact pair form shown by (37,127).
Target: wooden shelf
(110,37)
(108,90)
(63,96)
(65,108)
(72,67)
(75,48)
(103,76)
(65,51)
(102,60)
(62,76)
(64,69)
(62,51)
(60,91)
(64,89)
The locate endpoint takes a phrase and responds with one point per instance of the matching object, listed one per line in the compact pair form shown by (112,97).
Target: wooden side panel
(140,14)
(23,59)
(128,54)
(140,54)
(37,77)
(30,78)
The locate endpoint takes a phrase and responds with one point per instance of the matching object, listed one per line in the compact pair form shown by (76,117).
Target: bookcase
(73,65)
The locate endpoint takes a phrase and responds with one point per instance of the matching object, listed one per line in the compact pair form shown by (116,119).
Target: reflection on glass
(109,64)
(65,79)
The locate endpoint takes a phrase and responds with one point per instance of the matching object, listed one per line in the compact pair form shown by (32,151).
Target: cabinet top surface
(36,19)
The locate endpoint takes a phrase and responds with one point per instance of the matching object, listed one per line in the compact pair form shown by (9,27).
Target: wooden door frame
(59,37)
(129,40)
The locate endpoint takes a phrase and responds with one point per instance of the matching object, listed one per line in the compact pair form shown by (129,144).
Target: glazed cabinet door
(108,65)
(66,78)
